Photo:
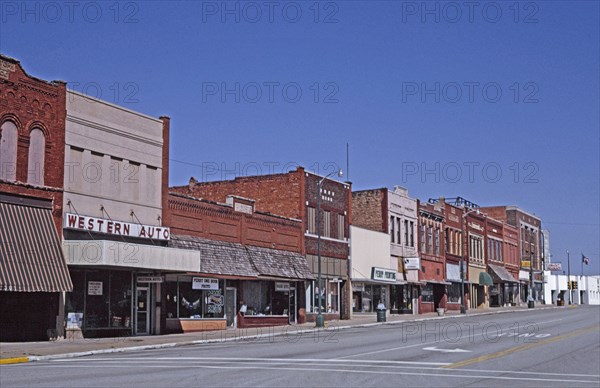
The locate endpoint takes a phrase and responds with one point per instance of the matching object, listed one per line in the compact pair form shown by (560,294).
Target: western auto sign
(115,228)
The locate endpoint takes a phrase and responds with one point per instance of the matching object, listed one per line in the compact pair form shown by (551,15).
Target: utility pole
(569,278)
(530,301)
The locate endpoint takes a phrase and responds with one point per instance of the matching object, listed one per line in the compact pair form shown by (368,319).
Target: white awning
(129,255)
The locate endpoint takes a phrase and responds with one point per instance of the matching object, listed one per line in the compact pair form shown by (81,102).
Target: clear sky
(497,102)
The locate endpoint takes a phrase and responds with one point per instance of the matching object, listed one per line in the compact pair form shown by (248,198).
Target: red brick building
(530,242)
(432,253)
(294,195)
(33,271)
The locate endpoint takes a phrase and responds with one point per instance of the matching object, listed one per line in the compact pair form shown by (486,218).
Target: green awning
(485,279)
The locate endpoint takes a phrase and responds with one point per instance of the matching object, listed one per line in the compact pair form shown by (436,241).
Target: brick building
(432,254)
(392,212)
(294,195)
(33,272)
(255,257)
(530,242)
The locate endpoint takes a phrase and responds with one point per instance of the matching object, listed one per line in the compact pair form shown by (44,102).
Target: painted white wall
(369,249)
(113,158)
(587,292)
(402,206)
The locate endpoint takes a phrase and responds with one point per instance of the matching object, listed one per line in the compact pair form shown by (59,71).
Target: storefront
(367,294)
(33,271)
(504,291)
(268,282)
(479,279)
(455,286)
(334,274)
(118,286)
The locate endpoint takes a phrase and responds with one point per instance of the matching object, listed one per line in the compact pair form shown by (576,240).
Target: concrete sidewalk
(16,352)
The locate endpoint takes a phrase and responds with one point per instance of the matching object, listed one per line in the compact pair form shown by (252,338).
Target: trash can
(381,315)
(440,312)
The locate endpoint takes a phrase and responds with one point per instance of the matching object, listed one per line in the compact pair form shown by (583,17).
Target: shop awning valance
(485,279)
(501,275)
(31,256)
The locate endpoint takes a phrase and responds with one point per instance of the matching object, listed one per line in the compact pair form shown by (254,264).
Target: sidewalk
(16,352)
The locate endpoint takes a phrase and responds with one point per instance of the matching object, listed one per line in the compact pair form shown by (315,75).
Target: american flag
(585,260)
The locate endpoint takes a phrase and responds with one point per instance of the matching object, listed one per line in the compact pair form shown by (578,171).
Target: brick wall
(33,103)
(213,221)
(279,194)
(369,209)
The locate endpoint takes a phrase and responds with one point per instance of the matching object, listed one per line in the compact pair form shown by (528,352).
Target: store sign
(205,284)
(94,288)
(412,263)
(117,228)
(554,267)
(525,264)
(150,279)
(282,286)
(382,274)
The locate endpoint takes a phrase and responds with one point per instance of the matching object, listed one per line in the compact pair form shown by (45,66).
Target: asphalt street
(558,347)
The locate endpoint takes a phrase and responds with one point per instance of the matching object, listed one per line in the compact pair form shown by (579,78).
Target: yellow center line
(522,347)
(14,360)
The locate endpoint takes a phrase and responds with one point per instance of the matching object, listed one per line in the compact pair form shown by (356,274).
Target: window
(35,166)
(8,151)
(312,220)
(398,231)
(430,239)
(422,238)
(454,293)
(392,231)
(476,248)
(437,241)
(326,224)
(406,240)
(427,293)
(341,223)
(412,234)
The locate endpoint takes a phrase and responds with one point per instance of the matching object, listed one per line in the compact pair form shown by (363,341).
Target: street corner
(14,360)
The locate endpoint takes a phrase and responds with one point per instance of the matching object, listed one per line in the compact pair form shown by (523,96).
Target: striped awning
(31,257)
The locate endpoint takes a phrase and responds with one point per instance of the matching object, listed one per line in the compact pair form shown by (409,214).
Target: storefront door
(142,325)
(292,308)
(230,305)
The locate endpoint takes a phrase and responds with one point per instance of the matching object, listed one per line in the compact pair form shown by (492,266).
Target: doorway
(292,306)
(230,305)
(142,316)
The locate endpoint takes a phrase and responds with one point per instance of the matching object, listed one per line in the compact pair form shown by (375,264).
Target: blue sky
(424,93)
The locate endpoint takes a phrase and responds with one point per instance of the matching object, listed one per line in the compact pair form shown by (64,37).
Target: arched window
(8,151)
(37,146)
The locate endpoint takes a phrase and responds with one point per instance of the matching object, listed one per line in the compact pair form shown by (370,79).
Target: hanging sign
(149,279)
(205,284)
(282,286)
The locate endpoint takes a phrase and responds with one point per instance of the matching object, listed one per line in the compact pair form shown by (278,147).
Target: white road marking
(237,367)
(432,342)
(456,350)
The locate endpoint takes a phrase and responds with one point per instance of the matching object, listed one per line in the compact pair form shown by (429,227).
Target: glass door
(292,306)
(230,305)
(142,325)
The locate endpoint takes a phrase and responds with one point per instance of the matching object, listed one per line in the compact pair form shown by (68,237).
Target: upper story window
(392,229)
(37,150)
(8,151)
(326,224)
(341,223)
(312,220)
(412,234)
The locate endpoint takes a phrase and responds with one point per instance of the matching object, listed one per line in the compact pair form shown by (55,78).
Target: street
(557,347)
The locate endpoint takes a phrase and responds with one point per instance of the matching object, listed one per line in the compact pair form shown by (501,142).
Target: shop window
(37,148)
(8,151)
(183,301)
(454,293)
(427,293)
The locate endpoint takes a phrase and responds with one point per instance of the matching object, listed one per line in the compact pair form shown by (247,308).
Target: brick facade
(369,208)
(202,218)
(31,103)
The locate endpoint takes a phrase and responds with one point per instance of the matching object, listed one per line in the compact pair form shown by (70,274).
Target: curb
(19,360)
